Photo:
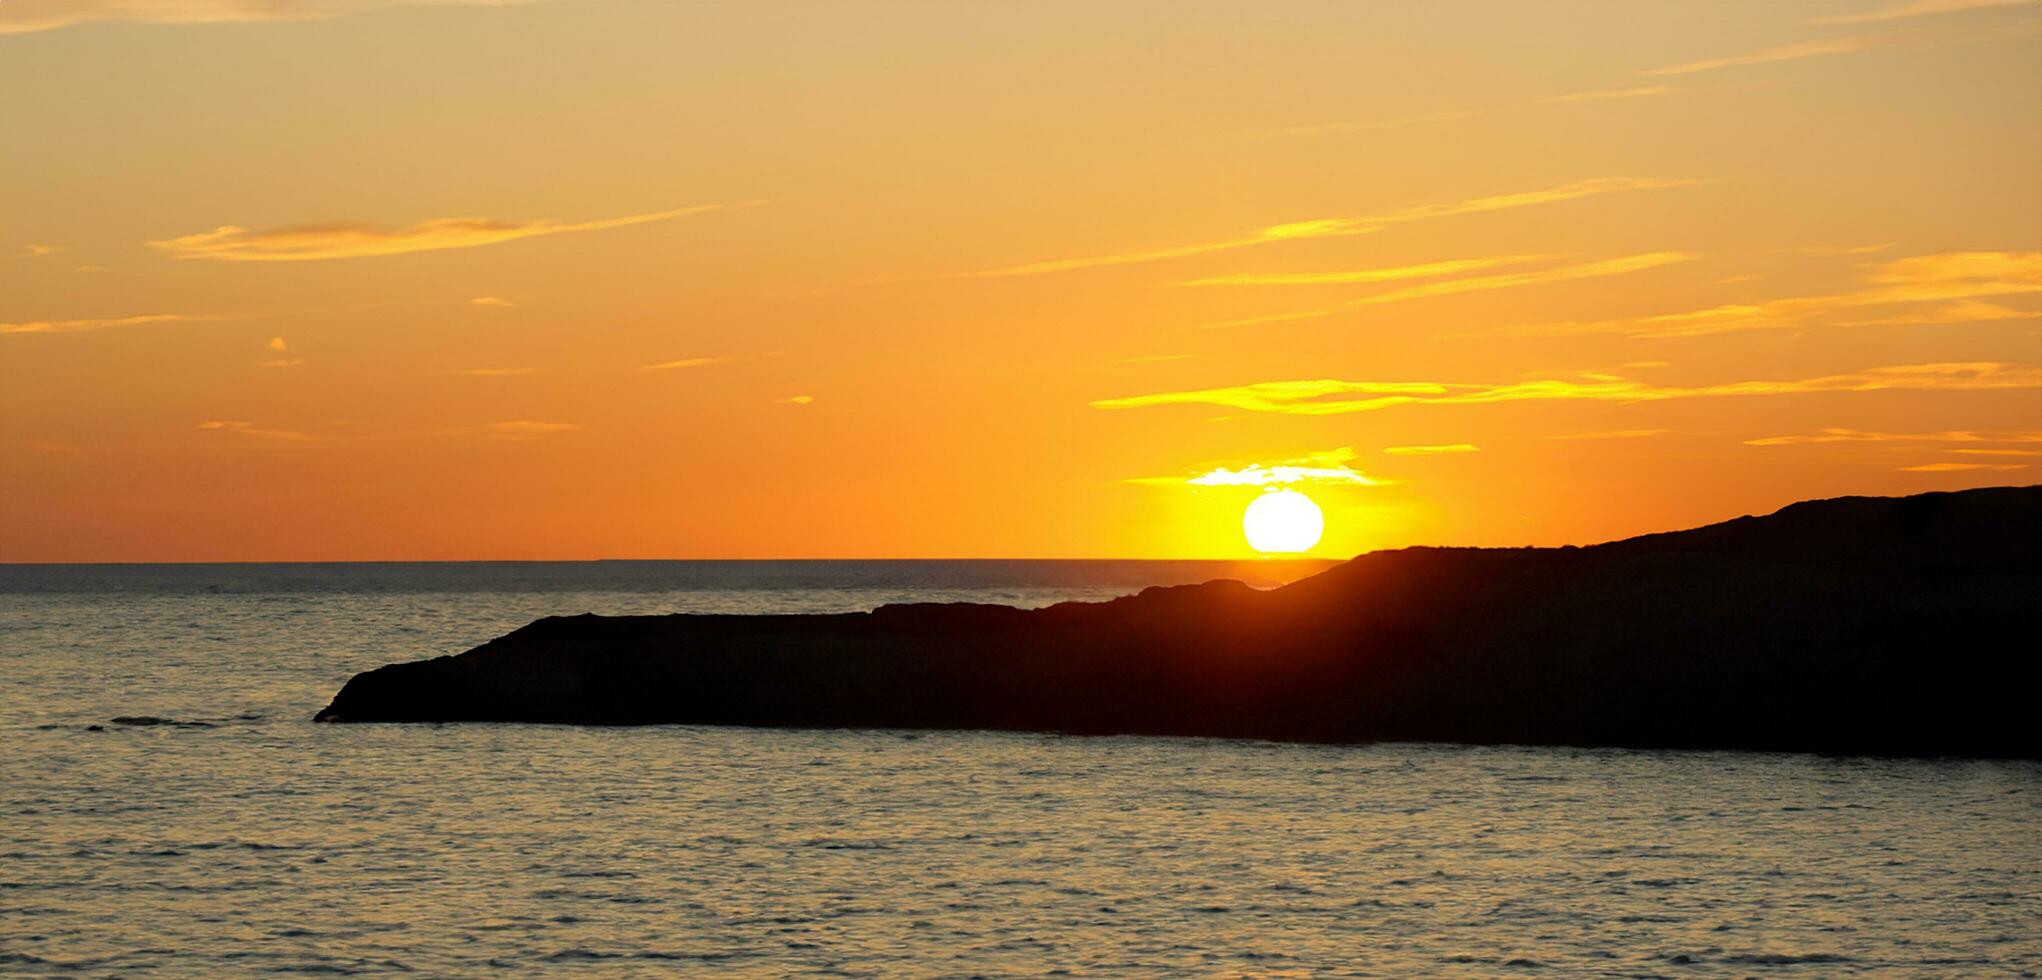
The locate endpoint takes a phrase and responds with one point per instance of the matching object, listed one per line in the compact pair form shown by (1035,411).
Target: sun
(1283,522)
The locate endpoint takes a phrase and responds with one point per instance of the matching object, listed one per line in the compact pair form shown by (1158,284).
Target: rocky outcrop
(1875,625)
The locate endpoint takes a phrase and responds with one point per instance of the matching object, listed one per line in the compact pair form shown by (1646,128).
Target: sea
(168,808)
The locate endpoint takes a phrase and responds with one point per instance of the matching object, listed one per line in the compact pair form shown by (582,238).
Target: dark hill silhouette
(1855,625)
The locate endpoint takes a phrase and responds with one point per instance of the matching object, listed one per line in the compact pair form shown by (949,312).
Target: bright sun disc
(1283,522)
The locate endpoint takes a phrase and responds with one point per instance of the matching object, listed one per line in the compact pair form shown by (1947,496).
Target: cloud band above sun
(1960,282)
(1328,396)
(349,240)
(1324,468)
(1859,435)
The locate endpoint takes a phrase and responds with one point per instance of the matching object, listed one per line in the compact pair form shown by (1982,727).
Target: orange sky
(399,279)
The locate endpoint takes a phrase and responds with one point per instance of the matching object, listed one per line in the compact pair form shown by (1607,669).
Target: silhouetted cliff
(1878,625)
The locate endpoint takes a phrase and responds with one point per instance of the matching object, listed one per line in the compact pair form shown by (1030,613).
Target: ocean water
(216,831)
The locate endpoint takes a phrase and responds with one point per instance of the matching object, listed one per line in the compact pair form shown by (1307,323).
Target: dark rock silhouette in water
(1856,625)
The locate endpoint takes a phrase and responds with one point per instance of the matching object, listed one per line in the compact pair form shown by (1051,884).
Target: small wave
(1785,959)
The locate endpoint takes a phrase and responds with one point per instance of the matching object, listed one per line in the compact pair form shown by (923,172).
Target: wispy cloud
(1959,311)
(1442,268)
(1443,450)
(348,240)
(1786,52)
(1606,95)
(1546,195)
(1295,231)
(796,400)
(686,362)
(1917,8)
(1327,396)
(99,323)
(1961,467)
(495,372)
(1431,118)
(1612,434)
(25,16)
(1256,321)
(1858,435)
(1958,280)
(33,250)
(1867,249)
(491,301)
(519,430)
(1319,129)
(1586,270)
(1339,227)
(249,430)
(1328,467)
(352,432)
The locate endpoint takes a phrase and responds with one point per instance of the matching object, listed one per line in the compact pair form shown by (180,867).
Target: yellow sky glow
(466,279)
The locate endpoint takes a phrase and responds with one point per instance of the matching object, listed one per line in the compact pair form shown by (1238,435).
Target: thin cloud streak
(518,430)
(1367,126)
(1614,434)
(1787,52)
(1317,129)
(1587,270)
(1548,195)
(1961,467)
(1421,271)
(1612,94)
(1330,396)
(686,362)
(1341,227)
(1919,8)
(100,323)
(250,430)
(1253,321)
(1959,280)
(1839,249)
(1446,450)
(1295,231)
(348,240)
(27,16)
(1858,435)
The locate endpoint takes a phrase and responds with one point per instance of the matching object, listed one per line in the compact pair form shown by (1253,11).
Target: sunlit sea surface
(237,837)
